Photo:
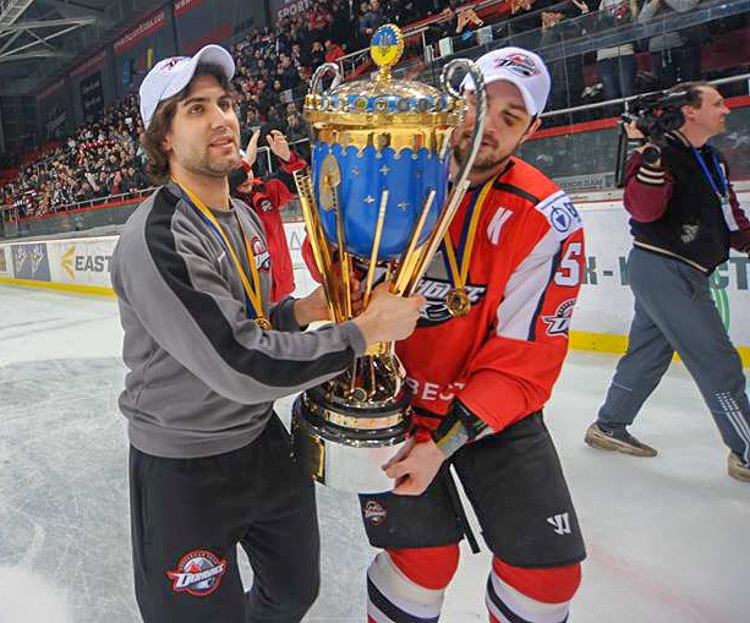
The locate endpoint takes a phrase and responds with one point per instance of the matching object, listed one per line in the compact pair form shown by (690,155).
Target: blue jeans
(674,312)
(618,76)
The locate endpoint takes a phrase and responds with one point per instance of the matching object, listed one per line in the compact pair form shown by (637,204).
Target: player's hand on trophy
(358,294)
(389,318)
(415,468)
(279,145)
(312,308)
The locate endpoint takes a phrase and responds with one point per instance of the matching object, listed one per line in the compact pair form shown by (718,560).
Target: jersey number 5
(569,272)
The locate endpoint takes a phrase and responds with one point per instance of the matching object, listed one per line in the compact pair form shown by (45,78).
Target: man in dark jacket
(684,218)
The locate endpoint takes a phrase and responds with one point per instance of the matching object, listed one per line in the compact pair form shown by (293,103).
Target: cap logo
(170,63)
(519,64)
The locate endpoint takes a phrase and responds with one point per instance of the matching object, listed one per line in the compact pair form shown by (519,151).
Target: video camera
(655,115)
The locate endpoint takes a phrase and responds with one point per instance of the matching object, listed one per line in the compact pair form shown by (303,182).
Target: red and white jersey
(503,358)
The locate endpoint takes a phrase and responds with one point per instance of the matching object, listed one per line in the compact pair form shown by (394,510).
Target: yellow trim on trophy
(418,120)
(398,140)
(60,287)
(359,422)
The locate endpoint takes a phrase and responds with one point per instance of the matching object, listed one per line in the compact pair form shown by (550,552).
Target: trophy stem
(344,260)
(406,264)
(319,246)
(459,191)
(375,247)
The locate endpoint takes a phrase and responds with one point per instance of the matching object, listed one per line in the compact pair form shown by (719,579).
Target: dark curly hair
(152,138)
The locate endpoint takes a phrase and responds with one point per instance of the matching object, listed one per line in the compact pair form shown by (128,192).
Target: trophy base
(345,448)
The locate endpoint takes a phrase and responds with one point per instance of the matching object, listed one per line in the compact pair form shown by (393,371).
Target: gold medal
(458,302)
(264,323)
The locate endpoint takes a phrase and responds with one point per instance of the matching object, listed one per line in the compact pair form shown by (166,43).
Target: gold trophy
(377,202)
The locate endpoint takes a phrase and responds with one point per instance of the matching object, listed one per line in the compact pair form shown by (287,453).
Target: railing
(588,158)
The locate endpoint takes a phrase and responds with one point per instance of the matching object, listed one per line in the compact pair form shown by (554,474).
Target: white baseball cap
(523,68)
(169,76)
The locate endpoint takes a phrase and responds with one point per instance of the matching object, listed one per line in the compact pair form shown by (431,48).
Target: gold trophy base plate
(347,459)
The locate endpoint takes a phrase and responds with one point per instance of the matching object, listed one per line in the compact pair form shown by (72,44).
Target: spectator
(333,51)
(371,20)
(616,65)
(675,56)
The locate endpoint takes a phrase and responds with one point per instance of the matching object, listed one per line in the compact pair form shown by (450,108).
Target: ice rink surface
(668,538)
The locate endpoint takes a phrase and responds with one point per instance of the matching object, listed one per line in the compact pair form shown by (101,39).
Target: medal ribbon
(722,187)
(466,245)
(252,293)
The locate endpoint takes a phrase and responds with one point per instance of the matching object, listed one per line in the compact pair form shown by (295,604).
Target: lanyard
(721,189)
(459,275)
(252,293)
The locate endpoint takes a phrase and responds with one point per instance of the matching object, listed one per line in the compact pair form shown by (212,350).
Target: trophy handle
(320,73)
(481,109)
(461,183)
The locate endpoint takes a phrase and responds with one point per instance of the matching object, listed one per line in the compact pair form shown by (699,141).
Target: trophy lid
(383,101)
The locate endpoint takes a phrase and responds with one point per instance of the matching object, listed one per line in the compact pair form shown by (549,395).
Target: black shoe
(616,439)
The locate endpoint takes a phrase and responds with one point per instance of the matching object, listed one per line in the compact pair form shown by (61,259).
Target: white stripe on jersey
(524,289)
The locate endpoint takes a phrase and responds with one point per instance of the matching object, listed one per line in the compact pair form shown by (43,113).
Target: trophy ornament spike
(375,247)
(405,266)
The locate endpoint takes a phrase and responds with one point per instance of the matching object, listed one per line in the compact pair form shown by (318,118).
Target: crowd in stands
(100,159)
(274,66)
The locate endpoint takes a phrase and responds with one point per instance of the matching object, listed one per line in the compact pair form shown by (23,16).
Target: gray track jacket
(203,377)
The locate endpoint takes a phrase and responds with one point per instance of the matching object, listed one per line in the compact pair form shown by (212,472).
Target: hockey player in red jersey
(481,366)
(267,196)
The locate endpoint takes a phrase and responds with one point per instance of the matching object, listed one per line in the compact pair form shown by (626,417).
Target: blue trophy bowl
(408,176)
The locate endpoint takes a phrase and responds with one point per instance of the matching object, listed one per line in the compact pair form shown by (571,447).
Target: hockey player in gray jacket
(210,462)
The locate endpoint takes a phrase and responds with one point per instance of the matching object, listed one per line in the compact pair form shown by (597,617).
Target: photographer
(684,217)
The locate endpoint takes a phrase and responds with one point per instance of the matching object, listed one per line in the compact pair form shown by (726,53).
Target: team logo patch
(520,64)
(559,323)
(260,251)
(375,513)
(562,215)
(198,573)
(436,292)
(265,205)
(170,63)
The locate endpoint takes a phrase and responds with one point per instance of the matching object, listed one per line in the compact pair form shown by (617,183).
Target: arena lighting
(42,32)
(11,10)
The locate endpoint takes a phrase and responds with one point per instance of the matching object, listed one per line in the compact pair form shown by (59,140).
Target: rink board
(600,322)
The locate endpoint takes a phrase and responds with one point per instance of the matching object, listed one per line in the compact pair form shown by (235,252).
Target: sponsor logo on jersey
(518,63)
(375,513)
(559,322)
(436,291)
(561,214)
(198,573)
(262,256)
(560,522)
